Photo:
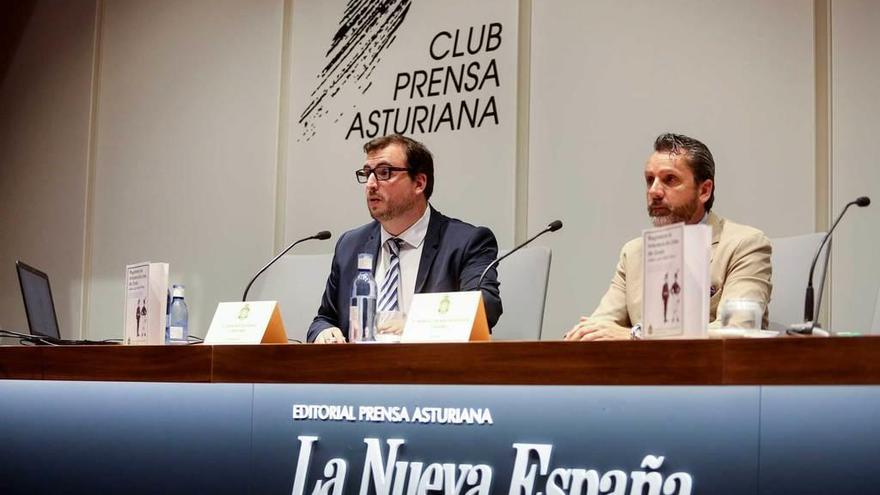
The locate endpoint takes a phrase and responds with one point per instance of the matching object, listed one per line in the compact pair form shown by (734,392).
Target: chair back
(297,282)
(791,260)
(875,327)
(523,279)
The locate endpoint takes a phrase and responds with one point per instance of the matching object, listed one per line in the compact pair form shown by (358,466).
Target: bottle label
(175,333)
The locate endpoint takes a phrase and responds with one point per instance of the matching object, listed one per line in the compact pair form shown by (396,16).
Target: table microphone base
(807,328)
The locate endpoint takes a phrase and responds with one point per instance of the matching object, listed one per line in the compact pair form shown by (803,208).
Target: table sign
(252,322)
(446,317)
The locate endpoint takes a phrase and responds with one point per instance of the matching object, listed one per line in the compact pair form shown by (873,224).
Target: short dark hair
(418,159)
(697,154)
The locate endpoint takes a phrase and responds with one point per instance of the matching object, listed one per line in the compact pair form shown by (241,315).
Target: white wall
(44,139)
(855,160)
(608,77)
(186,149)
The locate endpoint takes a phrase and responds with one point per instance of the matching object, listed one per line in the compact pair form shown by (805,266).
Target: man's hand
(393,327)
(589,329)
(330,335)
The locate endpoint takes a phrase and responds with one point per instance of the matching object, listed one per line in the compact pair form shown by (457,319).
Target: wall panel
(608,77)
(186,149)
(855,161)
(44,128)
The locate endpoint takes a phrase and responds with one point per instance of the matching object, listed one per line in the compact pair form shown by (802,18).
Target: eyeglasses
(382,172)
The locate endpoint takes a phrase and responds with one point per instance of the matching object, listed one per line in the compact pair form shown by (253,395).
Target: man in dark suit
(415,248)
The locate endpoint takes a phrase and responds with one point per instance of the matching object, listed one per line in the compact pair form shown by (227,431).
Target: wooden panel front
(539,363)
(128,363)
(21,363)
(802,360)
(789,361)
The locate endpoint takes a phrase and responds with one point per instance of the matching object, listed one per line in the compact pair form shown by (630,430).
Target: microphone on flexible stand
(24,337)
(811,313)
(552,227)
(321,236)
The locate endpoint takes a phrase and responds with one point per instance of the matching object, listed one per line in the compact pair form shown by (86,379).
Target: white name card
(446,317)
(252,322)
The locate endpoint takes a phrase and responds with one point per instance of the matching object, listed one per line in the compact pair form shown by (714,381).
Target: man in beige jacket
(680,184)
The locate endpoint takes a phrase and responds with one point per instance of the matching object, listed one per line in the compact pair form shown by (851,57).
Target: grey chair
(791,260)
(875,327)
(297,282)
(523,279)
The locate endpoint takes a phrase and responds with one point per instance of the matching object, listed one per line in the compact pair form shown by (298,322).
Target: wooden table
(782,361)
(784,415)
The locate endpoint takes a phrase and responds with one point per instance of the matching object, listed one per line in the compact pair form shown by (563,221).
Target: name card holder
(252,322)
(446,317)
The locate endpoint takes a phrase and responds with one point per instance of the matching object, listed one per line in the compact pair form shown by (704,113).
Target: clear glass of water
(746,314)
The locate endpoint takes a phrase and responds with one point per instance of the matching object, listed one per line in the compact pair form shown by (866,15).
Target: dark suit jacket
(454,254)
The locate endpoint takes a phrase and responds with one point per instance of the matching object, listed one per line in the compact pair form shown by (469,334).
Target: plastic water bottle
(362,314)
(178,316)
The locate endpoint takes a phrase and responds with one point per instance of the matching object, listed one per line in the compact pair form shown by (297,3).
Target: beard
(682,213)
(391,209)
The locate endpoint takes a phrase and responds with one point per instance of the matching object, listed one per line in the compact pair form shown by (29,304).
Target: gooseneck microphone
(552,227)
(321,236)
(811,309)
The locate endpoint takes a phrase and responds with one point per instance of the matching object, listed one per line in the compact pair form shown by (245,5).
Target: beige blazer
(740,268)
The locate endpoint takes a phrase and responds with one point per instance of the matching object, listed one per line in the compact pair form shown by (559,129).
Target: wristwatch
(635,332)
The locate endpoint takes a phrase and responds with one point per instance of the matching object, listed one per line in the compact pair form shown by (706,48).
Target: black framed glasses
(382,172)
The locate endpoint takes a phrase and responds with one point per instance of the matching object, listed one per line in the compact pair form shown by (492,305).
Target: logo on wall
(451,88)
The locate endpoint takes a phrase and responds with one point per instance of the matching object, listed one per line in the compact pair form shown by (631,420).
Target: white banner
(443,73)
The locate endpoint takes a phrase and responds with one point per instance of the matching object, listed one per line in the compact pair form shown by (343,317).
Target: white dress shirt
(410,255)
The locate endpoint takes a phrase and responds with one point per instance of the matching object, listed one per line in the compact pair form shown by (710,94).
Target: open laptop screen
(38,303)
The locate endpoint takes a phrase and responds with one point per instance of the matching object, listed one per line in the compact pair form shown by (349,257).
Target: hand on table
(330,335)
(589,329)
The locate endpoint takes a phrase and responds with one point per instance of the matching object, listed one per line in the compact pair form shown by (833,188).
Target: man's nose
(372,181)
(655,190)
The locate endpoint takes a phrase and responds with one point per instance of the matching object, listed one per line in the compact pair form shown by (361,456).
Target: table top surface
(779,361)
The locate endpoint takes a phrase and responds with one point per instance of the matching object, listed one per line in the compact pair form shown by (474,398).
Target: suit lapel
(717,224)
(372,244)
(430,247)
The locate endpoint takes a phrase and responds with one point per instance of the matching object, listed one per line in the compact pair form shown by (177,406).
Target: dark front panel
(123,437)
(118,437)
(708,434)
(820,440)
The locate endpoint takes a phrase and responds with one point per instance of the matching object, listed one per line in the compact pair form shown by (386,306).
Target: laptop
(40,308)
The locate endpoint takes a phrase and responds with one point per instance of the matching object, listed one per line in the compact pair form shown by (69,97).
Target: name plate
(252,322)
(446,317)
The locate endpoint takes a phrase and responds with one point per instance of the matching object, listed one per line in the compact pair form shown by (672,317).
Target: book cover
(675,275)
(146,300)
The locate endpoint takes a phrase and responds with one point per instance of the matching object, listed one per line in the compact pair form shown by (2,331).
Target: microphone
(552,227)
(321,236)
(811,311)
(24,337)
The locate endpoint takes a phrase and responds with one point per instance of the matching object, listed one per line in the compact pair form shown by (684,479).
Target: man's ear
(421,181)
(706,188)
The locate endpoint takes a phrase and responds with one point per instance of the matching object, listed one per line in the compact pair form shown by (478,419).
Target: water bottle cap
(365,261)
(177,290)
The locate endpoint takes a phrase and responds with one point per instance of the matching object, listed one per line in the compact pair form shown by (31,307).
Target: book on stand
(675,287)
(146,301)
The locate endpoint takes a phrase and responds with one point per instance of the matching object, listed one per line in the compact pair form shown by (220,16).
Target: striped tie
(389,289)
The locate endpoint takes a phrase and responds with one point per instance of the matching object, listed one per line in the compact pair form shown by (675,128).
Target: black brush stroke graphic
(367,28)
